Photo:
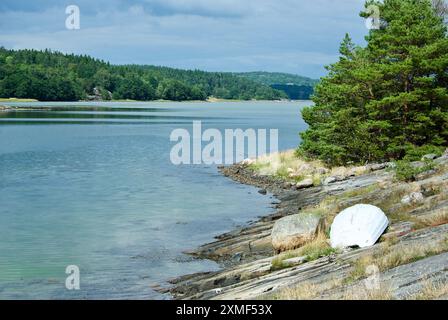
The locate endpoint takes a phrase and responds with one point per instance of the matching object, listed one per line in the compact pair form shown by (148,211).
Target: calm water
(92,185)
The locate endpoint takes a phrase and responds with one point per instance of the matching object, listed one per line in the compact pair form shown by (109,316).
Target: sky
(293,36)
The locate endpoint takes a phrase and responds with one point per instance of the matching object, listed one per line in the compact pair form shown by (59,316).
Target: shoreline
(245,254)
(14,105)
(208,100)
(252,242)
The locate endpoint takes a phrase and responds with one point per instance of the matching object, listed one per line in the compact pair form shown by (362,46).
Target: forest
(294,86)
(54,76)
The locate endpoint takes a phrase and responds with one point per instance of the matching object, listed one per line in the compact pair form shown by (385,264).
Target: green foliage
(294,86)
(416,153)
(175,90)
(316,253)
(135,88)
(271,78)
(406,171)
(388,100)
(105,95)
(53,76)
(210,84)
(295,92)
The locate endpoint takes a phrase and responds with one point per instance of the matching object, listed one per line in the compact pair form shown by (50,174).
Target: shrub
(406,171)
(414,153)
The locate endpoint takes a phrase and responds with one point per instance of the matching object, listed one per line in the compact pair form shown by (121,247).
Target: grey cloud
(292,36)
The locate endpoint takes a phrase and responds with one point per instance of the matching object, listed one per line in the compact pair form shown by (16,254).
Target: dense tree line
(388,100)
(53,76)
(294,86)
(271,78)
(295,92)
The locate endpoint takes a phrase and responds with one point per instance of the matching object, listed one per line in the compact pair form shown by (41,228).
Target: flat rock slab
(403,282)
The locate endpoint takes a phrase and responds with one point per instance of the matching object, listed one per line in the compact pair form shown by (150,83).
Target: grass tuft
(383,293)
(431,290)
(289,166)
(317,248)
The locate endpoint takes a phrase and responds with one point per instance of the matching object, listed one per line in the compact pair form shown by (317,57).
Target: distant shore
(17,107)
(5,108)
(210,99)
(17,100)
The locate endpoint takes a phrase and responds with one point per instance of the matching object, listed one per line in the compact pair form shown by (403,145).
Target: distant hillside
(296,87)
(271,78)
(54,76)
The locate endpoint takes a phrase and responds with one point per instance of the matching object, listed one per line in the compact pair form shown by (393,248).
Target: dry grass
(17,100)
(435,219)
(400,255)
(364,191)
(443,168)
(317,248)
(279,163)
(289,166)
(383,293)
(310,291)
(359,269)
(390,256)
(306,290)
(439,217)
(431,290)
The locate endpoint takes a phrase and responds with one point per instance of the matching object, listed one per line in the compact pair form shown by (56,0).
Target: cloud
(215,8)
(295,36)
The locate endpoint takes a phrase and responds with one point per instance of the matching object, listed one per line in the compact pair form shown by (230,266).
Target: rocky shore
(248,258)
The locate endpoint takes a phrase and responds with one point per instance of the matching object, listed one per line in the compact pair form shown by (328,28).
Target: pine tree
(389,99)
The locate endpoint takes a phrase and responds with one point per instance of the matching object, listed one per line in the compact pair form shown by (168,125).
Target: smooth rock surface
(329,180)
(360,225)
(293,231)
(377,166)
(305,184)
(248,161)
(294,261)
(430,156)
(414,197)
(445,154)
